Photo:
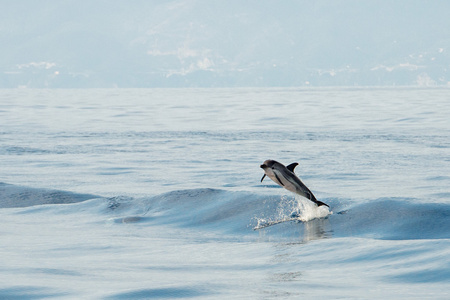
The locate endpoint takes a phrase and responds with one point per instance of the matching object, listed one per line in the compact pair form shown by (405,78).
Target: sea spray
(308,210)
(301,208)
(293,208)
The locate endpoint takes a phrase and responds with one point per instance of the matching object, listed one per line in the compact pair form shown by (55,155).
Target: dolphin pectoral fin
(263,177)
(278,178)
(292,166)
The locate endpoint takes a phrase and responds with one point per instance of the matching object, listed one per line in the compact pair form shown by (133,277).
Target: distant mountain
(201,43)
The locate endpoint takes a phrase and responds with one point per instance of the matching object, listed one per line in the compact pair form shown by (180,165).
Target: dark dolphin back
(307,192)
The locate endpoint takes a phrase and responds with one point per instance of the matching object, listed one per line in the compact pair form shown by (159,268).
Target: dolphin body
(285,177)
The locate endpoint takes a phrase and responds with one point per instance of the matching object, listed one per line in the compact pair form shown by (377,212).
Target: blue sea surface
(156,194)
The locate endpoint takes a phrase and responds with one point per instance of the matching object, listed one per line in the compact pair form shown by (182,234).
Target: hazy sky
(140,43)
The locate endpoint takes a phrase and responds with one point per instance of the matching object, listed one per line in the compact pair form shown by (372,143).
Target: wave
(243,213)
(18,196)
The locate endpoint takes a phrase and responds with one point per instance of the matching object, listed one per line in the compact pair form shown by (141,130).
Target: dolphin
(285,177)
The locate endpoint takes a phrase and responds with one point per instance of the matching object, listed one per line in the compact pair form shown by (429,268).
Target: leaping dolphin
(285,177)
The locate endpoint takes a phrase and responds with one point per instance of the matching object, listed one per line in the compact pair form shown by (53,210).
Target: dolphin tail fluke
(319,203)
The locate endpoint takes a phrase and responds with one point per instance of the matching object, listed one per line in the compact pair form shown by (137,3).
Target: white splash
(302,209)
(308,210)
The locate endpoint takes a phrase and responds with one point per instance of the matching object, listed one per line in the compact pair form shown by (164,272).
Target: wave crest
(239,212)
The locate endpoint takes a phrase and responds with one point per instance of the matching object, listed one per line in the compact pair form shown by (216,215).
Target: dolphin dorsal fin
(292,166)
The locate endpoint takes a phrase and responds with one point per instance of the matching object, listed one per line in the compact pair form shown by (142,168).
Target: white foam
(300,208)
(308,210)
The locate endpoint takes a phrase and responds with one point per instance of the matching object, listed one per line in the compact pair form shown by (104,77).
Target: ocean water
(156,193)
